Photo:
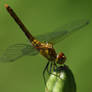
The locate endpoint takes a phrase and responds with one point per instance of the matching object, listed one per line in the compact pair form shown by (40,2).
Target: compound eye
(63,55)
(61,58)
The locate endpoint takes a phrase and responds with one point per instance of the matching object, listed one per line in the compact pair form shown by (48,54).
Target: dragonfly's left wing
(64,31)
(17,51)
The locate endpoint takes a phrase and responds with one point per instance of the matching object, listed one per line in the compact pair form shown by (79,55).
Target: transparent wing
(17,51)
(62,32)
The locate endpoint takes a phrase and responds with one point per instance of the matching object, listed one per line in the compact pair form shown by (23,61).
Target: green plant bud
(62,80)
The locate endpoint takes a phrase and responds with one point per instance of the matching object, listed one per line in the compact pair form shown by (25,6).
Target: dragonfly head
(60,58)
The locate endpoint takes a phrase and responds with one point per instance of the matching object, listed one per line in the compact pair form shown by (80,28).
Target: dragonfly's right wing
(17,51)
(64,31)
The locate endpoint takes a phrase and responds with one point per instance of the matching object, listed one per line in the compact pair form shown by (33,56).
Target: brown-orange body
(45,49)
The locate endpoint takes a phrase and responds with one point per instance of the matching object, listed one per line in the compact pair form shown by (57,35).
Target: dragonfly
(44,44)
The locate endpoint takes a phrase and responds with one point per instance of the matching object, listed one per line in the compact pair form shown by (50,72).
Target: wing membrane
(17,51)
(62,32)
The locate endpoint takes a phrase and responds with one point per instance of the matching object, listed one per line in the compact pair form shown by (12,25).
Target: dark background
(41,16)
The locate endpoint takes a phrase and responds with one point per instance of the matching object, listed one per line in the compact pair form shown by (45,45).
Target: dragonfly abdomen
(19,22)
(36,44)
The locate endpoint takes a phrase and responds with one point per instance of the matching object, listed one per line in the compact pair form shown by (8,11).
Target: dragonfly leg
(49,70)
(46,67)
(54,66)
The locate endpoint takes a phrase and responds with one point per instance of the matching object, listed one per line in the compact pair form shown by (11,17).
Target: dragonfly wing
(62,32)
(17,51)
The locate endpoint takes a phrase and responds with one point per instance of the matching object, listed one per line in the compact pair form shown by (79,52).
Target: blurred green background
(41,16)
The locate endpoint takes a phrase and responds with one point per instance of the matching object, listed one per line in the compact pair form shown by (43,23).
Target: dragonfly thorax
(60,58)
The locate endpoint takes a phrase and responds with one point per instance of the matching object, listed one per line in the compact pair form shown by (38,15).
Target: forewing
(17,51)
(64,31)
